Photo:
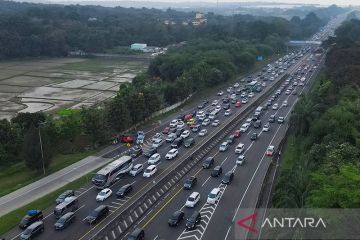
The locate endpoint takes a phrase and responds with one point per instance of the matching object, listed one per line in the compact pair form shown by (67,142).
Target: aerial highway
(283,81)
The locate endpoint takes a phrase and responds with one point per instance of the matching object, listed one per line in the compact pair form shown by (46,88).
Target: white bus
(112,172)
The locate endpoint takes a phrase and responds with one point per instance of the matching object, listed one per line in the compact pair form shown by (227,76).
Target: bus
(251,86)
(112,172)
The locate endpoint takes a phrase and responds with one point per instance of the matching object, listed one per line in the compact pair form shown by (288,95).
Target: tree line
(321,167)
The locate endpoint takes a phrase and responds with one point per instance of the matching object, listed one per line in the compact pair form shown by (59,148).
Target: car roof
(138,165)
(215,190)
(194,194)
(35,224)
(151,167)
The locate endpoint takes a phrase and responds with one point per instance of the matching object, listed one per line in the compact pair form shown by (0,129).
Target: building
(199,19)
(138,46)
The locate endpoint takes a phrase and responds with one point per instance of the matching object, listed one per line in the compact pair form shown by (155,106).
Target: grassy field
(94,65)
(12,219)
(18,175)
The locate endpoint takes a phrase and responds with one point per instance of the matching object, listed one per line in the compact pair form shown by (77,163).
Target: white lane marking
(156,237)
(206,181)
(224,160)
(227,233)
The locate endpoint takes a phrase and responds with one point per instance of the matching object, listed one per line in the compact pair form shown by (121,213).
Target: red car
(238,104)
(270,151)
(126,139)
(237,133)
(166,130)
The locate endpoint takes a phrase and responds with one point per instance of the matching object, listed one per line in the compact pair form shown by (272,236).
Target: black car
(226,106)
(97,214)
(135,151)
(190,183)
(265,107)
(176,218)
(137,234)
(189,142)
(177,142)
(225,100)
(65,221)
(179,132)
(207,163)
(257,124)
(33,230)
(193,220)
(124,190)
(233,101)
(149,151)
(228,177)
(254,136)
(61,197)
(231,139)
(217,171)
(31,217)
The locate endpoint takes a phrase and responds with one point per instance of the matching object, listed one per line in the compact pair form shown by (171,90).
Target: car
(61,197)
(166,130)
(202,132)
(124,190)
(228,177)
(263,84)
(103,194)
(240,160)
(272,118)
(226,106)
(225,100)
(65,221)
(270,151)
(137,234)
(97,214)
(171,154)
(237,134)
(257,124)
(214,196)
(294,92)
(176,218)
(136,169)
(154,159)
(180,125)
(214,102)
(244,100)
(136,151)
(185,134)
(126,139)
(150,171)
(266,127)
(192,200)
(171,137)
(254,136)
(190,183)
(275,106)
(193,220)
(157,143)
(156,137)
(236,85)
(140,137)
(295,83)
(301,84)
(227,112)
(243,95)
(220,93)
(244,127)
(206,122)
(224,146)
(280,119)
(189,142)
(195,128)
(201,106)
(177,142)
(208,162)
(217,108)
(31,217)
(149,151)
(215,123)
(217,171)
(231,139)
(33,230)
(251,94)
(238,104)
(285,103)
(173,123)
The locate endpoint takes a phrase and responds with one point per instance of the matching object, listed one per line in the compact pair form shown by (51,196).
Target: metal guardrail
(120,224)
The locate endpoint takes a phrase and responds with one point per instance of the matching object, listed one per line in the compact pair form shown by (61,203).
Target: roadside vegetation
(321,165)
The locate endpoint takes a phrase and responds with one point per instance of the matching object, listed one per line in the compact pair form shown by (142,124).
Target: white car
(287,92)
(271,78)
(185,134)
(215,102)
(215,123)
(136,169)
(154,159)
(275,106)
(244,100)
(220,93)
(249,121)
(214,196)
(263,84)
(202,132)
(157,142)
(251,94)
(224,146)
(228,112)
(285,103)
(192,200)
(240,160)
(266,127)
(236,85)
(301,84)
(156,137)
(150,171)
(244,127)
(295,83)
(173,123)
(180,125)
(243,94)
(206,122)
(217,108)
(172,154)
(103,195)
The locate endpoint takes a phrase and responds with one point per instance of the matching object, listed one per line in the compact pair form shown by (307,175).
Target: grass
(18,175)
(12,219)
(94,65)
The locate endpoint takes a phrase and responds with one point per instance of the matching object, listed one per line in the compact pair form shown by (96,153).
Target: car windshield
(191,199)
(188,181)
(27,231)
(148,170)
(211,195)
(61,220)
(102,193)
(93,214)
(100,177)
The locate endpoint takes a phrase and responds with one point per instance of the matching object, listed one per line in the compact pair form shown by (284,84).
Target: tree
(95,125)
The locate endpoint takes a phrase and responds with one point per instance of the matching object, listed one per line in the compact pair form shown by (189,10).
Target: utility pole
(41,148)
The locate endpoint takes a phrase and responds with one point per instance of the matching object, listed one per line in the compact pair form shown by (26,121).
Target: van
(239,148)
(214,196)
(97,214)
(65,221)
(32,230)
(70,204)
(137,234)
